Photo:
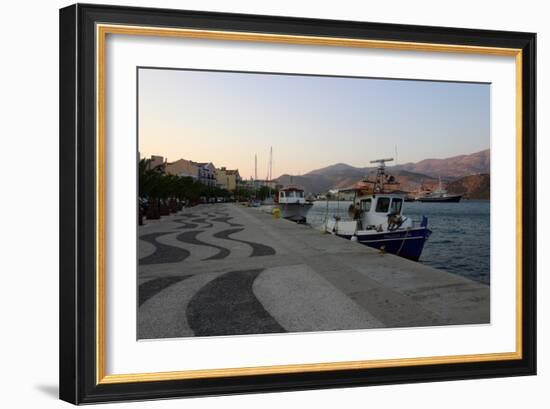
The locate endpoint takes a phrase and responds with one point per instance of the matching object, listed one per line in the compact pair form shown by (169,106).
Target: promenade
(225,269)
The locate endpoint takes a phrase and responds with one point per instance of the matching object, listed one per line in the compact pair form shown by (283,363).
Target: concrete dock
(225,269)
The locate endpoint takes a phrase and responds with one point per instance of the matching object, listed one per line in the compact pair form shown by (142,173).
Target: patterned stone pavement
(224,269)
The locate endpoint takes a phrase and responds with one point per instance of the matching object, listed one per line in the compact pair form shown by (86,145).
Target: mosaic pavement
(223,269)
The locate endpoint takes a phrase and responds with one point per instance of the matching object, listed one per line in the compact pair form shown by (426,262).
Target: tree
(164,193)
(149,187)
(264,192)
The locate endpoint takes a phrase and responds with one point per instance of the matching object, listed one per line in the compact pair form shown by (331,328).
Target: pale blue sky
(310,121)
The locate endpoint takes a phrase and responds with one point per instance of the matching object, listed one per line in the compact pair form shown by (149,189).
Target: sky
(310,121)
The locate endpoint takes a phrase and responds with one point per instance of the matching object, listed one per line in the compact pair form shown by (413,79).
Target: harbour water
(460,240)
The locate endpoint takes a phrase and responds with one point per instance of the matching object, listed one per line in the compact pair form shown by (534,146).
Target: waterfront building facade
(228,179)
(156,161)
(183,167)
(207,173)
(204,172)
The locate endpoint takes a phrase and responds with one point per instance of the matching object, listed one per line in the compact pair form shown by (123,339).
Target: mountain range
(411,176)
(472,186)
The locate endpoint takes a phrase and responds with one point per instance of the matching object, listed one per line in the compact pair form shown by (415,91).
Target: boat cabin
(378,211)
(292,195)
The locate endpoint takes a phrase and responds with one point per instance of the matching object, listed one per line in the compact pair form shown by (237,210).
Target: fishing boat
(439,195)
(376,219)
(292,203)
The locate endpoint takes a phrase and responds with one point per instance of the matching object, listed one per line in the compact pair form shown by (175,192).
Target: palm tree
(149,181)
(164,193)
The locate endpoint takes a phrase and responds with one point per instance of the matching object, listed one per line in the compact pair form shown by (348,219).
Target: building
(207,173)
(204,172)
(228,179)
(156,161)
(184,168)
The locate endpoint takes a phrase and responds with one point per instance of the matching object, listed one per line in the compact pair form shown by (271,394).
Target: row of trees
(248,193)
(161,193)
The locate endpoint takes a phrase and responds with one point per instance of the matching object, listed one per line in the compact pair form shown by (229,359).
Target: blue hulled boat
(376,219)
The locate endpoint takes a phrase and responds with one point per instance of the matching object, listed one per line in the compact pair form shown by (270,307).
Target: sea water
(460,240)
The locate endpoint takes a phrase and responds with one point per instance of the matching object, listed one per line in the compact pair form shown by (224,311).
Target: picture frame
(83,179)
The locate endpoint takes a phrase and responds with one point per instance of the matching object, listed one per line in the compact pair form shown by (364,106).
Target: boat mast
(380,174)
(255,184)
(270,169)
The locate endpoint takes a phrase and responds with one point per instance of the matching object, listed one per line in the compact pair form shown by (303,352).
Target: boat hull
(407,243)
(296,212)
(448,199)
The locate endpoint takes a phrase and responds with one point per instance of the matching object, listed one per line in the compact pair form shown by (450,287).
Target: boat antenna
(380,173)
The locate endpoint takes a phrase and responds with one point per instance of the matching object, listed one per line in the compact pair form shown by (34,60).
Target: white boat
(292,203)
(439,196)
(376,219)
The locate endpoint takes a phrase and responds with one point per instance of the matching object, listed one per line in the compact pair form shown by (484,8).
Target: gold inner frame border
(102,30)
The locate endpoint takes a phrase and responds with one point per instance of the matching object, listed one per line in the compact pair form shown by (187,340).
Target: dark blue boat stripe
(257,248)
(163,253)
(190,237)
(396,239)
(227,306)
(407,243)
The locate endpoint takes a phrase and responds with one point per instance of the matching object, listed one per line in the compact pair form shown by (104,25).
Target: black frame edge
(77,205)
(68,390)
(529,199)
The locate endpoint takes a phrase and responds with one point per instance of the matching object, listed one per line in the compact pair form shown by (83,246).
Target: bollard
(276,213)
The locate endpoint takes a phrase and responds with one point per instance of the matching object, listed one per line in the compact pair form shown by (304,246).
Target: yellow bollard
(276,213)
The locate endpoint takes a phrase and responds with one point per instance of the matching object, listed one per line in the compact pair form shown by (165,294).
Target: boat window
(366,204)
(300,194)
(282,194)
(396,205)
(383,204)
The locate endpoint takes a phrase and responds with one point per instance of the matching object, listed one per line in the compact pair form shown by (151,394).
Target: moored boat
(439,196)
(376,220)
(293,204)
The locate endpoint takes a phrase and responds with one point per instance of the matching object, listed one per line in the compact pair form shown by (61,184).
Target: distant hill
(311,184)
(472,187)
(334,169)
(411,176)
(454,167)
